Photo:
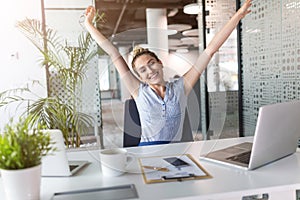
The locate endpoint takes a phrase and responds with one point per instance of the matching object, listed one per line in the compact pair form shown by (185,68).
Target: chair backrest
(132,126)
(187,134)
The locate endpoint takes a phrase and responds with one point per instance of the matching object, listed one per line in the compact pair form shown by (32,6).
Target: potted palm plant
(65,66)
(21,151)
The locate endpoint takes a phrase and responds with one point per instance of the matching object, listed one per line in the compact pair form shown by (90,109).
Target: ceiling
(125,20)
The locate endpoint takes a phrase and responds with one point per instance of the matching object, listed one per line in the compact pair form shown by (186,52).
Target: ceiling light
(174,42)
(189,40)
(192,9)
(192,32)
(182,51)
(179,27)
(171,32)
(173,12)
(178,47)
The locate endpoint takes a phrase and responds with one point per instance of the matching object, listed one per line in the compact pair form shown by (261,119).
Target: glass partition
(220,85)
(66,19)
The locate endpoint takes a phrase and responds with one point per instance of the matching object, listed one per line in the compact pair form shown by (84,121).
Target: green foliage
(69,64)
(49,112)
(54,114)
(68,61)
(22,147)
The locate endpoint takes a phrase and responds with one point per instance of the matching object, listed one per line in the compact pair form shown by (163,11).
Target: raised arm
(131,82)
(192,76)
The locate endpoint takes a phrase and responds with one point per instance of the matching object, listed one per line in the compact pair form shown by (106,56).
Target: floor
(112,117)
(113,114)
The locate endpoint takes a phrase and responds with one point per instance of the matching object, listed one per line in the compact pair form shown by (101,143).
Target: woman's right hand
(89,14)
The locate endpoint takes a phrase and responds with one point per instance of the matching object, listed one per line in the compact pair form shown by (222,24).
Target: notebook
(57,164)
(276,136)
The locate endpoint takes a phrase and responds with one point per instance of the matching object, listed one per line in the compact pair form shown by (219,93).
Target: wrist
(88,24)
(241,13)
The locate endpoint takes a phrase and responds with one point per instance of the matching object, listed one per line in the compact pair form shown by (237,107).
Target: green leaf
(23,147)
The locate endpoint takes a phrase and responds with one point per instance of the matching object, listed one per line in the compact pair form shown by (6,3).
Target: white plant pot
(22,184)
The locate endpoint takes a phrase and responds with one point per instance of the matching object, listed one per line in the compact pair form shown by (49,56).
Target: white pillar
(157,26)
(123,89)
(157,36)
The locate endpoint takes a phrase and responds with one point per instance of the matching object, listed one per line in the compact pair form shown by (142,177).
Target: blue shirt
(162,119)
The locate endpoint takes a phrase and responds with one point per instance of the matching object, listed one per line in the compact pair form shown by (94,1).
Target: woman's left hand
(244,10)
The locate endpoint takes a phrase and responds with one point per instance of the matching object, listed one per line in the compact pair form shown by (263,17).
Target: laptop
(276,136)
(57,163)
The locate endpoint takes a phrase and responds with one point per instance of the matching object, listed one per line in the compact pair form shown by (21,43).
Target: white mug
(114,161)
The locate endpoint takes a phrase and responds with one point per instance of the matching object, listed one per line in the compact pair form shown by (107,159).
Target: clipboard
(159,169)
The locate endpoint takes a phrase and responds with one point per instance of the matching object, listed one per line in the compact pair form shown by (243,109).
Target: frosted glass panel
(271,57)
(222,73)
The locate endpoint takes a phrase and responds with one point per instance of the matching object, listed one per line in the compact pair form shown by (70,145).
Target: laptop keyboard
(242,158)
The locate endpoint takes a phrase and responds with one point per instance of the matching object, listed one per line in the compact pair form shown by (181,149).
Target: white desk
(280,179)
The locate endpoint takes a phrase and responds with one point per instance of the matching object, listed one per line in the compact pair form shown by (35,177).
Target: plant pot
(22,184)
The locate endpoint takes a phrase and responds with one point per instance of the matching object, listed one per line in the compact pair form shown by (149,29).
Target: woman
(161,104)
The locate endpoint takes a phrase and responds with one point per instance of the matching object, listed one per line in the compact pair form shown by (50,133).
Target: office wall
(270,57)
(18,57)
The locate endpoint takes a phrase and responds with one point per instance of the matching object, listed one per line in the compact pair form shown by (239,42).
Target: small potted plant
(21,151)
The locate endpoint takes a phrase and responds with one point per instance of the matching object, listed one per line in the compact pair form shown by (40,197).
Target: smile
(153,76)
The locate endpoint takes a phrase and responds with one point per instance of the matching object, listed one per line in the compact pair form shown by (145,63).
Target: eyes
(142,70)
(150,63)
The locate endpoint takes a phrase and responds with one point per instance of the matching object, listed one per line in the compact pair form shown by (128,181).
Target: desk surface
(226,181)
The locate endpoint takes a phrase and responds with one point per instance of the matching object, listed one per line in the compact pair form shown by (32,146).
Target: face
(149,69)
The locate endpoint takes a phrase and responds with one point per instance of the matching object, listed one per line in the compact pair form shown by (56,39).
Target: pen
(178,178)
(163,169)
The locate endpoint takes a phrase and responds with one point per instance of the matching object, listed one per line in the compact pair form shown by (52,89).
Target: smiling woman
(161,104)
